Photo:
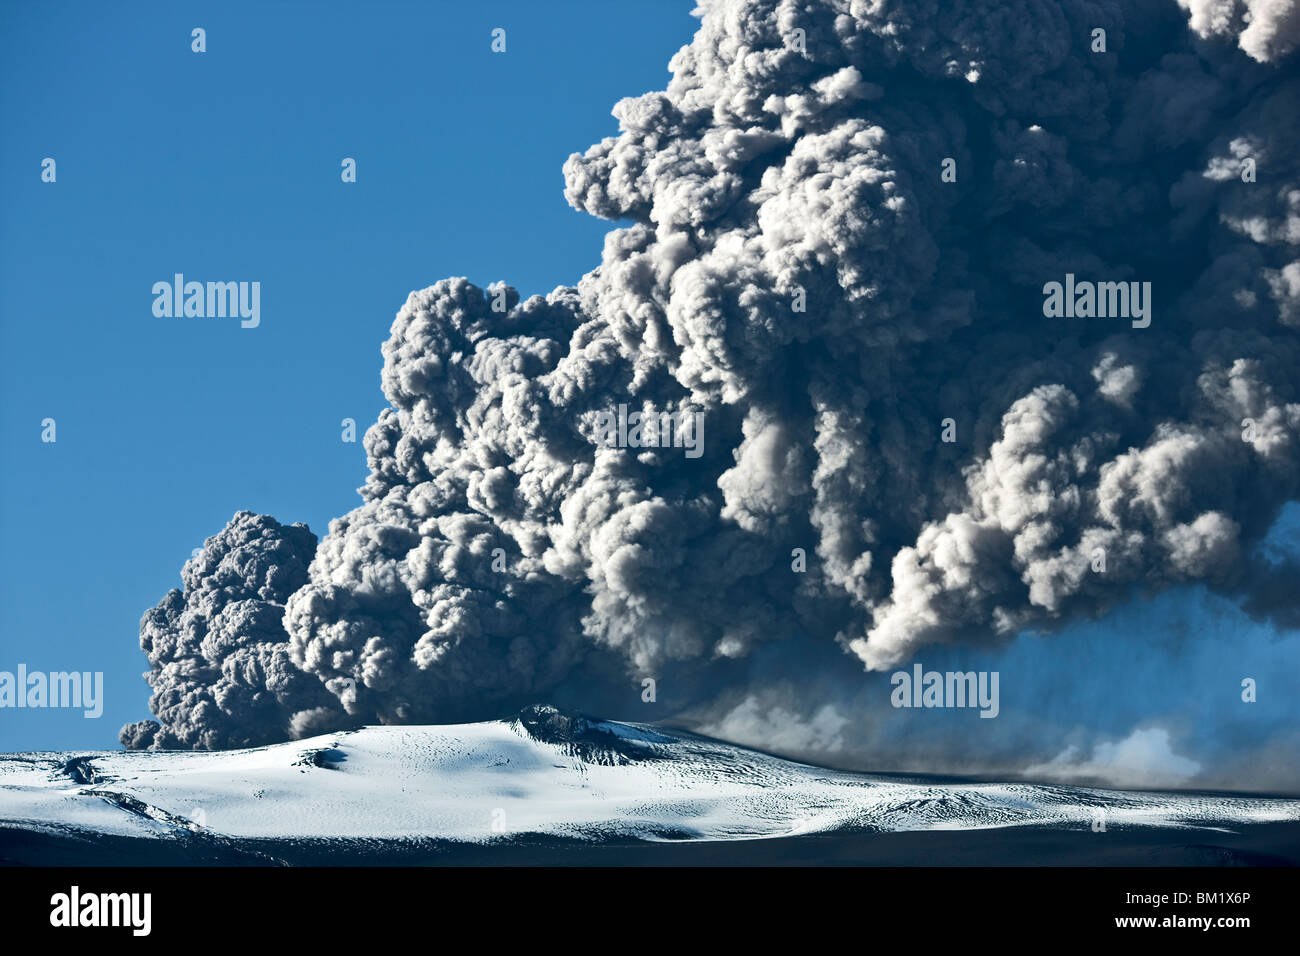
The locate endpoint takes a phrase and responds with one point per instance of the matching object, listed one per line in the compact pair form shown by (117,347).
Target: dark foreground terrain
(1266,844)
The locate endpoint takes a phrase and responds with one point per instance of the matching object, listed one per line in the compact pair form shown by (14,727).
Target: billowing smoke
(221,671)
(841,219)
(1266,29)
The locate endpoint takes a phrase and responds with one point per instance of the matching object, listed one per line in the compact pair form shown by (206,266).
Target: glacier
(546,773)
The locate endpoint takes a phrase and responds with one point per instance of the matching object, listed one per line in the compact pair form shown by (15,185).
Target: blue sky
(226,166)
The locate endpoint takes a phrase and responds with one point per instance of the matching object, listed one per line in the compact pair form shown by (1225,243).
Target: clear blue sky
(225,166)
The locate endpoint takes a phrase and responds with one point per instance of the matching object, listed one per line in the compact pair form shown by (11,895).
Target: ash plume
(796,269)
(1265,29)
(219,656)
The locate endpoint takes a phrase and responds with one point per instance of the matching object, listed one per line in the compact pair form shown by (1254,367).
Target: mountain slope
(544,773)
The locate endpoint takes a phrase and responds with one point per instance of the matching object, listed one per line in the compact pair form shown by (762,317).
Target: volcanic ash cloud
(798,271)
(221,672)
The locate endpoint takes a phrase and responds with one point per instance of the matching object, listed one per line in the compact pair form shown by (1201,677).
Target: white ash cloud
(1145,759)
(1266,30)
(757,722)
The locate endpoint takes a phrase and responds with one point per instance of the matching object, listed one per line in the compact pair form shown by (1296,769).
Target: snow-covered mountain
(544,773)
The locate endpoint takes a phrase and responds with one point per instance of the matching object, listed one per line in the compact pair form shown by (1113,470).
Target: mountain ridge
(545,775)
